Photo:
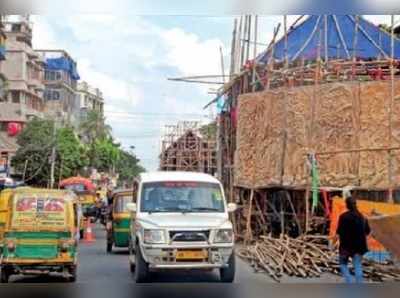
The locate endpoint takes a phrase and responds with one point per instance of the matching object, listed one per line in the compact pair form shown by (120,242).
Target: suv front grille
(189,236)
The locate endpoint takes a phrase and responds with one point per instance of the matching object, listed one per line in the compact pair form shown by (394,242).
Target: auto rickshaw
(86,192)
(40,233)
(4,197)
(119,219)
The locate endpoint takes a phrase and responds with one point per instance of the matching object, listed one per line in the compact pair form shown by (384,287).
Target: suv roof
(177,176)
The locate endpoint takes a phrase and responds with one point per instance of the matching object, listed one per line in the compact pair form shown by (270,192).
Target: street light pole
(53,157)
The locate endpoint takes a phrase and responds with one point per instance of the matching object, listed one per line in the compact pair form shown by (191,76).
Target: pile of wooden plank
(306,256)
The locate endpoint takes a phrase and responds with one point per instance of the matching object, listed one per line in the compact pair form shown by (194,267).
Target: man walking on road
(352,231)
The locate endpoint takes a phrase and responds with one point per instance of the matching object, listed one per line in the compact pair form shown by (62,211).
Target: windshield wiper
(170,209)
(205,209)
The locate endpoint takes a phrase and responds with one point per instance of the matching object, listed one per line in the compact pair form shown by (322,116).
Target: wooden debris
(307,256)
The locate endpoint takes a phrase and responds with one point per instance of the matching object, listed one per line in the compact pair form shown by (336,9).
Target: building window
(15,96)
(3,126)
(56,95)
(16,28)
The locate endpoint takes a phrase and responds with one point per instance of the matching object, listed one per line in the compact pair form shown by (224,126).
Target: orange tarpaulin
(366,208)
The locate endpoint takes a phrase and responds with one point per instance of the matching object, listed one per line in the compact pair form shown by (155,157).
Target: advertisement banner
(38,211)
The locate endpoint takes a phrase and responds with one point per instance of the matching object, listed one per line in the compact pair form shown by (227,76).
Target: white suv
(181,221)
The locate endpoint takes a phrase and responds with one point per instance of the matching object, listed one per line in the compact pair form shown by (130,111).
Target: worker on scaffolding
(352,232)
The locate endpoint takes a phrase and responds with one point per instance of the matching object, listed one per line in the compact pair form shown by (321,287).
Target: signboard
(3,165)
(38,211)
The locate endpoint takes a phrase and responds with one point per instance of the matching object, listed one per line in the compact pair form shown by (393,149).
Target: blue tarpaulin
(307,38)
(63,63)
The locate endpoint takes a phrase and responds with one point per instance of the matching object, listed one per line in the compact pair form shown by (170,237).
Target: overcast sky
(130,58)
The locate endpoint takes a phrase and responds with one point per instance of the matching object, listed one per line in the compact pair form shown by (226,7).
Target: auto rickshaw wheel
(4,275)
(109,247)
(81,233)
(73,274)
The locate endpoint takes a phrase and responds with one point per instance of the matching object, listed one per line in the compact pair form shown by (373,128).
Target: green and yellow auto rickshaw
(86,192)
(119,219)
(40,233)
(4,197)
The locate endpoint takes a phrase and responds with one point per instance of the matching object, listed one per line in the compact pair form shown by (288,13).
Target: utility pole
(53,157)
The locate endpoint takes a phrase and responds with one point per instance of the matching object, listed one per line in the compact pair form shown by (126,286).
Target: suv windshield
(181,197)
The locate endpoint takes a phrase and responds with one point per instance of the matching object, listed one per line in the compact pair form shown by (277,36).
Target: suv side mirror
(232,207)
(131,207)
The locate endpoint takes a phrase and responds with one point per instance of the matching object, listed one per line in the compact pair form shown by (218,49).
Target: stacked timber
(305,257)
(345,124)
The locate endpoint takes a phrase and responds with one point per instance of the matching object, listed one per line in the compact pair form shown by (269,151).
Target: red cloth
(13,128)
(234,116)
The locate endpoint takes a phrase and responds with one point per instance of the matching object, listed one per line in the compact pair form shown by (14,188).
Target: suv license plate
(191,255)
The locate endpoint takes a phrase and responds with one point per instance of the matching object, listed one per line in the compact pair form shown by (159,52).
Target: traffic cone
(88,236)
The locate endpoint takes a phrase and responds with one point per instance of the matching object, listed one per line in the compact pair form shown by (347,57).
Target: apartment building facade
(24,70)
(90,99)
(60,79)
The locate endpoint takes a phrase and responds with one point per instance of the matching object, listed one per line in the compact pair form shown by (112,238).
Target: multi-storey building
(91,99)
(60,79)
(3,80)
(23,68)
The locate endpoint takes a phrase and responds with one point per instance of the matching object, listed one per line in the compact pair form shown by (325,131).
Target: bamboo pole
(307,203)
(248,39)
(286,40)
(238,46)
(233,50)
(243,46)
(248,222)
(326,38)
(255,53)
(222,64)
(391,109)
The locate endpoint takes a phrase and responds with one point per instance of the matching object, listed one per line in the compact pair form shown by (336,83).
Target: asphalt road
(96,266)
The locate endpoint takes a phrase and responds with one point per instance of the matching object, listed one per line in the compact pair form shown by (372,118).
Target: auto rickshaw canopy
(85,182)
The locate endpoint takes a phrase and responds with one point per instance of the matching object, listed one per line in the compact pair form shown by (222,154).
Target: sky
(129,58)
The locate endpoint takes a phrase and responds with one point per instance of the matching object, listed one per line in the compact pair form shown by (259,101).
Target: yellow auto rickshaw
(4,197)
(40,233)
(119,219)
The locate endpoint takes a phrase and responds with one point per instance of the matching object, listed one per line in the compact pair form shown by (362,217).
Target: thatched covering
(351,117)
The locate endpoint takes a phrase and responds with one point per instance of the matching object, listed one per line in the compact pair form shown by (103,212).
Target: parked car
(181,221)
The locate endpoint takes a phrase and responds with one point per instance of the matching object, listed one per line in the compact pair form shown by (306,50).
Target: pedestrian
(352,232)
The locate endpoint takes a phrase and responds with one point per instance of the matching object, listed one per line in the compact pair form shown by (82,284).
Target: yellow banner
(38,210)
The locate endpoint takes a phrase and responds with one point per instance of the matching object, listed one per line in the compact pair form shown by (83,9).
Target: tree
(92,129)
(128,167)
(32,157)
(35,145)
(71,154)
(107,154)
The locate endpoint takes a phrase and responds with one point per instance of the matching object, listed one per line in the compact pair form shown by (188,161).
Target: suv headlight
(154,236)
(223,236)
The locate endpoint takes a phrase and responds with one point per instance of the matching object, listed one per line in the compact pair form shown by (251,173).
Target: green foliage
(107,154)
(209,131)
(128,167)
(92,129)
(73,155)
(35,144)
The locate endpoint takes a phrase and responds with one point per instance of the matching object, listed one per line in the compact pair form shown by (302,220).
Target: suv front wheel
(141,267)
(228,274)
